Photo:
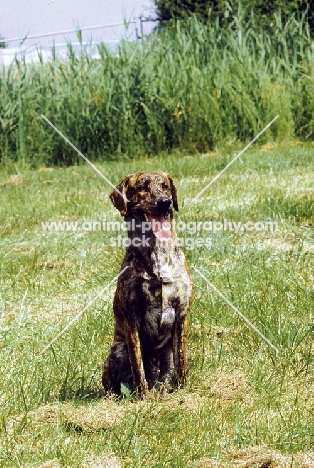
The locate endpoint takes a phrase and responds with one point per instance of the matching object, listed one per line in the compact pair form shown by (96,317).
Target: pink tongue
(161,232)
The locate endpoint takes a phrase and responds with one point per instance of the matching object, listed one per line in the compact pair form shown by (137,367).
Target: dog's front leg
(136,361)
(180,351)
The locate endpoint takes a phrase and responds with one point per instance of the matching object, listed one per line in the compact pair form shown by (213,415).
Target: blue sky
(31,17)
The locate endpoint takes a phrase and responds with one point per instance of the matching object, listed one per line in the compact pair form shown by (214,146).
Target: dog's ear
(118,196)
(173,194)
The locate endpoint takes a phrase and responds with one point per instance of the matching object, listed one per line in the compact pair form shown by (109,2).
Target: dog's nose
(163,203)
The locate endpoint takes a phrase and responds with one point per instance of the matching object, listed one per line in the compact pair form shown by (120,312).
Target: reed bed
(191,87)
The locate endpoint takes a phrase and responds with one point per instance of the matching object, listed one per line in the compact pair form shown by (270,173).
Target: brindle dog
(154,294)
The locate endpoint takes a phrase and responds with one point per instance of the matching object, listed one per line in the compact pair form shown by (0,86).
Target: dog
(153,294)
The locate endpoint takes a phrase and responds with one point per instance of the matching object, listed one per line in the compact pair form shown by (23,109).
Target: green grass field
(243,404)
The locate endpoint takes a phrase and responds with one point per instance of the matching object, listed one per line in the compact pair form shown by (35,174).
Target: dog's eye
(143,187)
(164,185)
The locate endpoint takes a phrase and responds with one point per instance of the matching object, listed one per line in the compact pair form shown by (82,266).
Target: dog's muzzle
(163,204)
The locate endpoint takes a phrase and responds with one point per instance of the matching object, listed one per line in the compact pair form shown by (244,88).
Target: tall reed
(191,87)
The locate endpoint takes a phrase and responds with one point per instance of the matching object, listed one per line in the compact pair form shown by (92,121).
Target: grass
(242,403)
(192,87)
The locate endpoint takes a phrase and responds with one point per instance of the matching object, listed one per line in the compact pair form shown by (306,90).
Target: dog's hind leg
(117,369)
(151,366)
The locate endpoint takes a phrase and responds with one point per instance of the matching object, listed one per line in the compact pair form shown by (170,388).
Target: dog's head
(147,195)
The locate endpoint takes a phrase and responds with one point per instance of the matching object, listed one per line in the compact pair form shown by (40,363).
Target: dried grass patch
(14,179)
(209,330)
(105,461)
(45,169)
(104,415)
(89,418)
(230,387)
(47,464)
(258,457)
(225,388)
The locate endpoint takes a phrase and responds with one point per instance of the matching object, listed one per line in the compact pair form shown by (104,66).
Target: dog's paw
(168,382)
(142,390)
